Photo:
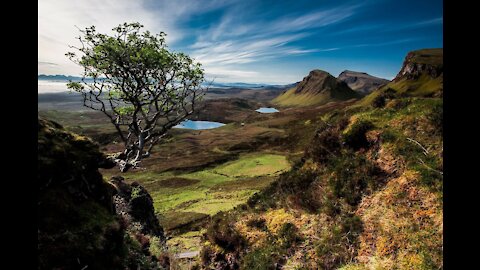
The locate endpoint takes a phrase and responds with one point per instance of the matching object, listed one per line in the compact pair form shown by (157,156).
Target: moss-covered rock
(77,224)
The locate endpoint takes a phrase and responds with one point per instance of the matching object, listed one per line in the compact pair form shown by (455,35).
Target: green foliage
(135,81)
(327,143)
(156,246)
(352,176)
(261,259)
(352,226)
(355,137)
(378,101)
(383,95)
(288,235)
(222,233)
(136,192)
(436,116)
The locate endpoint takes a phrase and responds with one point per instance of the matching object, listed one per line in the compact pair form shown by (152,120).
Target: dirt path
(186,255)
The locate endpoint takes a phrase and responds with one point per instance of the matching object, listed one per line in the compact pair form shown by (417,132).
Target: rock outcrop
(134,203)
(78,227)
(361,82)
(426,61)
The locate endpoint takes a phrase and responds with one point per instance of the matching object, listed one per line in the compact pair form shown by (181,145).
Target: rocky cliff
(361,82)
(421,75)
(425,61)
(78,224)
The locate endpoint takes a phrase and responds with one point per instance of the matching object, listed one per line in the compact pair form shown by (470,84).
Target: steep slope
(78,227)
(421,75)
(361,82)
(367,194)
(318,88)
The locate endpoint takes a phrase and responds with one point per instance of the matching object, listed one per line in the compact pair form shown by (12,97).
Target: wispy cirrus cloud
(232,42)
(253,40)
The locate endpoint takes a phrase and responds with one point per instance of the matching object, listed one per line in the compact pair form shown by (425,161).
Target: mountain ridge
(317,88)
(361,82)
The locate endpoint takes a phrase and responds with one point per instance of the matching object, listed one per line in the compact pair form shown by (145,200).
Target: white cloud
(58,21)
(234,42)
(223,48)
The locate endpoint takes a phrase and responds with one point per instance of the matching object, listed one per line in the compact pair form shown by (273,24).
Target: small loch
(267,110)
(198,125)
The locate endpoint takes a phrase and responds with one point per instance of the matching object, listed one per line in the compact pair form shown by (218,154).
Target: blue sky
(256,41)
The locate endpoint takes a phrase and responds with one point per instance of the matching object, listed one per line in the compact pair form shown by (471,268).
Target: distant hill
(421,75)
(61,78)
(240,85)
(318,88)
(58,77)
(361,82)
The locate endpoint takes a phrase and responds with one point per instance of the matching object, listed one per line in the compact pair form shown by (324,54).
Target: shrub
(389,93)
(222,233)
(326,143)
(261,259)
(205,255)
(294,184)
(402,103)
(355,136)
(288,235)
(353,175)
(156,246)
(352,226)
(379,101)
(258,223)
(436,116)
(329,248)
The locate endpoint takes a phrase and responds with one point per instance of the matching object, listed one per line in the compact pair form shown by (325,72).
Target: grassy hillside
(423,86)
(420,76)
(366,195)
(318,88)
(428,56)
(289,98)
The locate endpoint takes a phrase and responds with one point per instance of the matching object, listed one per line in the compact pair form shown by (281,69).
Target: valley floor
(195,174)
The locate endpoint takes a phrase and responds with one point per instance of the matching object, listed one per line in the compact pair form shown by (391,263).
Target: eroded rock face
(134,203)
(416,63)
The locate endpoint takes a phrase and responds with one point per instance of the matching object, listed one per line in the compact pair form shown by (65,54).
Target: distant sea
(45,86)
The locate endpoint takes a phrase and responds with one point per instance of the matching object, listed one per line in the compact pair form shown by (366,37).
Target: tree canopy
(141,86)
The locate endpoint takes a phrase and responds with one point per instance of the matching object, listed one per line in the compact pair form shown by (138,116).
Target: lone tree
(141,86)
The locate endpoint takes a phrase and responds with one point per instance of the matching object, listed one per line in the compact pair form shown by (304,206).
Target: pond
(199,125)
(267,110)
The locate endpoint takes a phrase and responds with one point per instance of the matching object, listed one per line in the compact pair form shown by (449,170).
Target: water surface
(267,110)
(199,125)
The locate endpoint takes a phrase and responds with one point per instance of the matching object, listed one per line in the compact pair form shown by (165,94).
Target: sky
(253,41)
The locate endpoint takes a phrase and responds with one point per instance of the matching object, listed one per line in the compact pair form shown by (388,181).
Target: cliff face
(421,75)
(426,61)
(78,227)
(361,82)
